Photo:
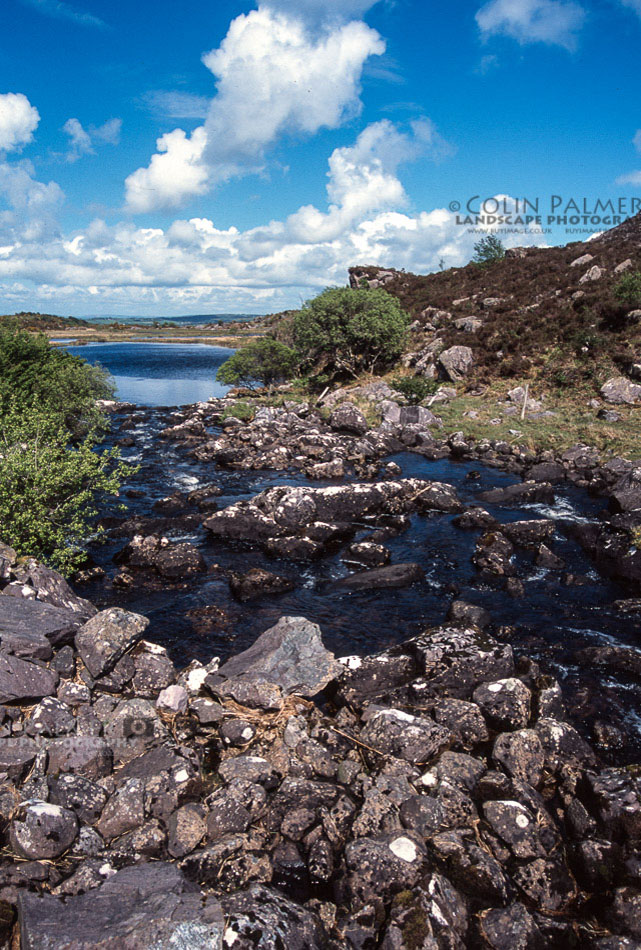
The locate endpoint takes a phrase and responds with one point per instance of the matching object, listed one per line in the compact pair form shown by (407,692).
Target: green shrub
(488,250)
(628,289)
(240,410)
(32,372)
(346,332)
(262,362)
(415,388)
(50,485)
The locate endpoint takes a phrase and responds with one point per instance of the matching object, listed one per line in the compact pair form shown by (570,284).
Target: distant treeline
(41,321)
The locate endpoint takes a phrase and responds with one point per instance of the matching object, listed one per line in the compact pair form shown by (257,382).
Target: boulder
(456,362)
(258,582)
(21,680)
(48,587)
(104,639)
(506,703)
(290,655)
(456,661)
(144,907)
(398,733)
(348,418)
(262,918)
(381,578)
(620,391)
(22,621)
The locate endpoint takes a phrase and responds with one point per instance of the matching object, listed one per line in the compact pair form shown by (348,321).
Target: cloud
(18,121)
(637,140)
(556,22)
(632,178)
(322,10)
(273,78)
(82,141)
(176,173)
(60,10)
(633,4)
(176,105)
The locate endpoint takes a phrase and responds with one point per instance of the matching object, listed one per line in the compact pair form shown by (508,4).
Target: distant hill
(549,314)
(42,321)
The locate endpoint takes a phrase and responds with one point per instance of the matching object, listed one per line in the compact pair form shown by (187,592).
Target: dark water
(550,623)
(160,374)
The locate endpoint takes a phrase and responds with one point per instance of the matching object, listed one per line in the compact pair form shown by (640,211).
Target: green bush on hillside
(415,388)
(628,289)
(262,362)
(51,475)
(347,331)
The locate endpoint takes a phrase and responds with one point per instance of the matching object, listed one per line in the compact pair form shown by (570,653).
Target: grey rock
(49,587)
(22,619)
(511,928)
(456,660)
(381,867)
(262,918)
(620,391)
(456,362)
(186,828)
(104,639)
(383,578)
(521,755)
(21,680)
(139,908)
(506,703)
(464,720)
(348,418)
(124,811)
(51,718)
(90,756)
(84,797)
(258,583)
(17,755)
(41,830)
(290,654)
(408,737)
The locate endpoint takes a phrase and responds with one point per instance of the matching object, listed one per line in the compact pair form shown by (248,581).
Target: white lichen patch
(405,849)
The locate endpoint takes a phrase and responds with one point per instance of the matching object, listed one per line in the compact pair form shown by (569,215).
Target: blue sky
(158,158)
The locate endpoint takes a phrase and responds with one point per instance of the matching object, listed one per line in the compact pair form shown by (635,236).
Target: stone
(620,391)
(367,554)
(248,768)
(82,796)
(547,883)
(464,720)
(625,912)
(505,703)
(21,680)
(104,639)
(173,699)
(348,418)
(516,826)
(17,755)
(290,655)
(594,273)
(186,828)
(138,908)
(521,755)
(456,660)
(470,867)
(511,928)
(89,756)
(258,583)
(408,737)
(468,614)
(21,619)
(493,554)
(456,362)
(582,260)
(51,718)
(563,745)
(154,670)
(383,578)
(377,868)
(262,918)
(124,811)
(42,831)
(49,587)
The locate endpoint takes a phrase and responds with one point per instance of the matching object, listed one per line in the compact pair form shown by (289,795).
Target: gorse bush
(415,388)
(262,362)
(52,477)
(346,332)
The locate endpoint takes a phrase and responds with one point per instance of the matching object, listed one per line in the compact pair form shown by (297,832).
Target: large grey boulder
(24,622)
(456,660)
(47,586)
(348,418)
(456,362)
(262,918)
(290,655)
(383,578)
(621,391)
(140,908)
(21,680)
(104,639)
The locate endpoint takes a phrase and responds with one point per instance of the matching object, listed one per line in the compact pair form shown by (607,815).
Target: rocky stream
(329,686)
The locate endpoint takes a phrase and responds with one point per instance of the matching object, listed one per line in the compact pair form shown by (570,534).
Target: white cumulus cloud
(557,22)
(82,141)
(274,77)
(18,121)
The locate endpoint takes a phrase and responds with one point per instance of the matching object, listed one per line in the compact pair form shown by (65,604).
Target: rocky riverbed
(328,686)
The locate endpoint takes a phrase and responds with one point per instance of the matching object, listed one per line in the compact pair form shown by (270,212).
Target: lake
(159,374)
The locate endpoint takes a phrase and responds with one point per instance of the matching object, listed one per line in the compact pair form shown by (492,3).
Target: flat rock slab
(290,655)
(22,680)
(379,578)
(105,638)
(139,908)
(22,621)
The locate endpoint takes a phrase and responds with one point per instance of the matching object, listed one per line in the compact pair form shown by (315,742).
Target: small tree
(628,290)
(347,331)
(50,486)
(488,250)
(262,362)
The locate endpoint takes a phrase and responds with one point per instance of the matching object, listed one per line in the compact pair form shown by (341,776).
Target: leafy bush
(241,410)
(34,372)
(345,331)
(415,388)
(488,250)
(628,289)
(50,485)
(262,362)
